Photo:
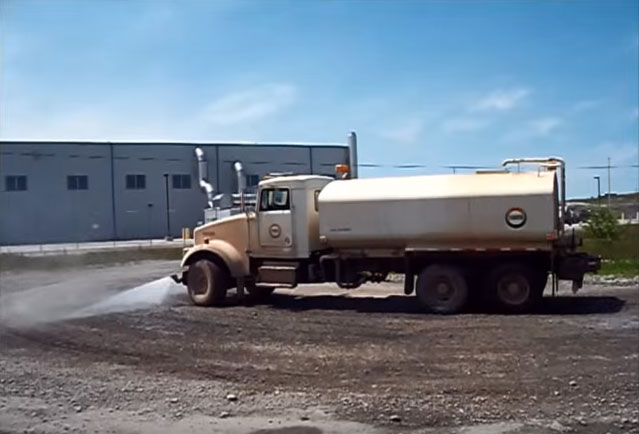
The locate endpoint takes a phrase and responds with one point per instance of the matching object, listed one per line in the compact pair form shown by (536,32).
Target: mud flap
(577,284)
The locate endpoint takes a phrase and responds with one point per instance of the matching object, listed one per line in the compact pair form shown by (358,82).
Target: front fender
(237,262)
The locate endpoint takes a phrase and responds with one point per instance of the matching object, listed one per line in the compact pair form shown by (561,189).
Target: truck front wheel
(442,289)
(207,283)
(514,288)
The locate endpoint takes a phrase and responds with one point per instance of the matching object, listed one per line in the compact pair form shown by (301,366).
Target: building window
(252,180)
(181,181)
(77,182)
(135,182)
(15,183)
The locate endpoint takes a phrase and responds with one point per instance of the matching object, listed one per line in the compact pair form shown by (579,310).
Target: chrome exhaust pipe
(203,175)
(352,154)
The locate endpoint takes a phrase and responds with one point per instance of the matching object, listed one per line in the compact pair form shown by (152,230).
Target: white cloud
(464,125)
(501,100)
(534,129)
(584,105)
(407,132)
(545,126)
(250,105)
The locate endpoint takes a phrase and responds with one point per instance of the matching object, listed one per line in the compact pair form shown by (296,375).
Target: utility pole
(598,178)
(608,182)
(168,236)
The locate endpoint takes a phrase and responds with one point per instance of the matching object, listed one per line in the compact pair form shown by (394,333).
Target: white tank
(483,210)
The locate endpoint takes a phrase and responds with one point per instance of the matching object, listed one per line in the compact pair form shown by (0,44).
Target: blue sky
(426,82)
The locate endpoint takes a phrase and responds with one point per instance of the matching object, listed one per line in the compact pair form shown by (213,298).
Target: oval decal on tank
(275,231)
(515,218)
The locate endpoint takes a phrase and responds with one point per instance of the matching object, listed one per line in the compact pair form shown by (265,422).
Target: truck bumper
(180,277)
(573,266)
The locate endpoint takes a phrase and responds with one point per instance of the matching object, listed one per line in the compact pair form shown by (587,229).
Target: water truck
(494,236)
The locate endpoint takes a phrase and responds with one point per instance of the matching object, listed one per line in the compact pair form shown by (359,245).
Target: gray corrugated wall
(47,212)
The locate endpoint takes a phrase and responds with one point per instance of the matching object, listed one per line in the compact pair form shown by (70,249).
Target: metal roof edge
(103,142)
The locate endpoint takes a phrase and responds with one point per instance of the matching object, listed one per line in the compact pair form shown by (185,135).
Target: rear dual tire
(442,289)
(514,287)
(510,288)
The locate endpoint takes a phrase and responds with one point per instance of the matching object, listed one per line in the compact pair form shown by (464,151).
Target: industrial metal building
(89,191)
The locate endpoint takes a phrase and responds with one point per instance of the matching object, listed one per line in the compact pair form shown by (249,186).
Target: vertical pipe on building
(217,169)
(352,153)
(168,217)
(115,230)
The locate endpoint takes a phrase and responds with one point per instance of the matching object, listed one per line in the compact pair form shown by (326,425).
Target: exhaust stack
(352,153)
(241,183)
(239,172)
(203,174)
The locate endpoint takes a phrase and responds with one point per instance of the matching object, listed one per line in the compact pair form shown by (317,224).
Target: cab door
(275,218)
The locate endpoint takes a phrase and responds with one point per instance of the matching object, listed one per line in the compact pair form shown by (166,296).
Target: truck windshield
(274,199)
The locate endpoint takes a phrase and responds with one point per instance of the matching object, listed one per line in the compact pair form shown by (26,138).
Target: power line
(471,167)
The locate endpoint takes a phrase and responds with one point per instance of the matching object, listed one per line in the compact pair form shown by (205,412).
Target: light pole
(168,236)
(598,178)
(609,182)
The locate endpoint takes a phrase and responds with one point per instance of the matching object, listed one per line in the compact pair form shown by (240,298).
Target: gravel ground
(314,360)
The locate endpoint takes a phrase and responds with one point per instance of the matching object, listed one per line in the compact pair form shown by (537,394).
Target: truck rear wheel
(442,289)
(514,288)
(207,283)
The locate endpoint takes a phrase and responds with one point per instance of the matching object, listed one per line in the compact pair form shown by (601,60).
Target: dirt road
(310,361)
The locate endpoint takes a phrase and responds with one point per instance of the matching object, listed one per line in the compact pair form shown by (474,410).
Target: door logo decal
(275,230)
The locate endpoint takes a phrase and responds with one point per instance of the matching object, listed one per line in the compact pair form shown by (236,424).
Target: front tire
(207,283)
(442,289)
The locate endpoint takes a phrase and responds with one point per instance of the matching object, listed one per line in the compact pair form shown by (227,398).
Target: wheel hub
(514,289)
(197,282)
(444,290)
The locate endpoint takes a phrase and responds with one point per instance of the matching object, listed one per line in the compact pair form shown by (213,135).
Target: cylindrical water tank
(472,210)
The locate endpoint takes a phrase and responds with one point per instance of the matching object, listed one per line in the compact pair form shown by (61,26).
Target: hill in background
(626,203)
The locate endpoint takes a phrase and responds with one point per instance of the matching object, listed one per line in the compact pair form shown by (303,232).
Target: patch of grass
(11,261)
(620,257)
(621,267)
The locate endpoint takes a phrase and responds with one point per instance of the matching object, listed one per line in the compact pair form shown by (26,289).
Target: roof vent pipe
(352,153)
(203,175)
